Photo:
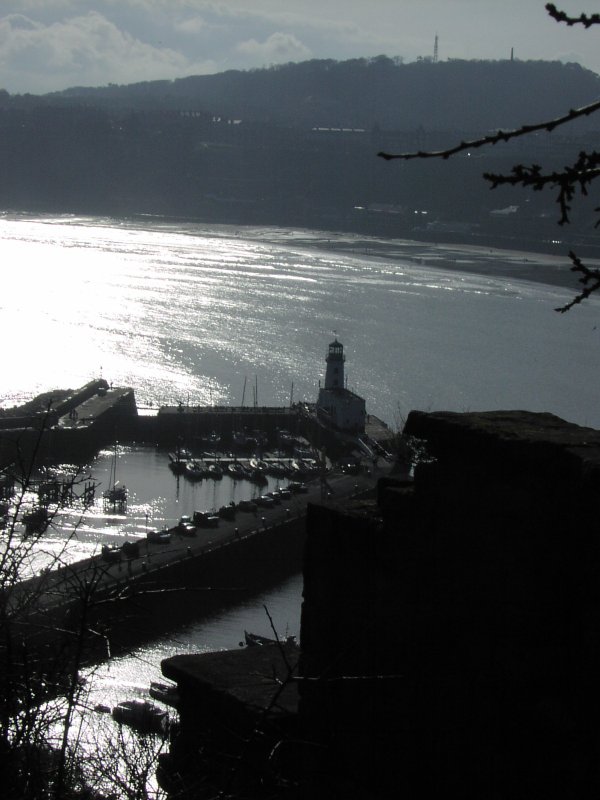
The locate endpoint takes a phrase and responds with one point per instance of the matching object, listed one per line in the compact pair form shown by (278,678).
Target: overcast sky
(47,45)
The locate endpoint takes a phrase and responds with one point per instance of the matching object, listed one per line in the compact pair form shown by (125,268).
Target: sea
(214,314)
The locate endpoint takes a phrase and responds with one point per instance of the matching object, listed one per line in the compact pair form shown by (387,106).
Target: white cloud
(53,44)
(87,50)
(192,26)
(278,47)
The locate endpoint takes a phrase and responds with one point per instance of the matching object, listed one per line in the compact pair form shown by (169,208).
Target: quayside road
(119,577)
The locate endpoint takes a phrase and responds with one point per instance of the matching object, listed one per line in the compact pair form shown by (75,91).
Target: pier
(217,564)
(95,416)
(232,553)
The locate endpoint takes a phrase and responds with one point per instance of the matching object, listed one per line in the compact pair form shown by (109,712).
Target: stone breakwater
(72,425)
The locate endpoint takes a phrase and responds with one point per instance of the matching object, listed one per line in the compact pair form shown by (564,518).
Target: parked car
(264,501)
(206,519)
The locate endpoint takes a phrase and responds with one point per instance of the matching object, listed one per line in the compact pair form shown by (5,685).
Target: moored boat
(258,476)
(165,693)
(277,468)
(141,715)
(255,640)
(194,470)
(235,470)
(36,520)
(214,471)
(179,459)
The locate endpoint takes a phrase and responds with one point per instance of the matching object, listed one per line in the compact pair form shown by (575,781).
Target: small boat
(255,640)
(277,468)
(256,463)
(299,467)
(115,497)
(258,477)
(286,440)
(235,470)
(165,693)
(215,472)
(194,470)
(36,520)
(260,437)
(239,439)
(179,459)
(141,715)
(303,452)
(158,537)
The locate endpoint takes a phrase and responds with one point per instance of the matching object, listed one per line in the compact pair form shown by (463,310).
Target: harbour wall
(84,421)
(133,600)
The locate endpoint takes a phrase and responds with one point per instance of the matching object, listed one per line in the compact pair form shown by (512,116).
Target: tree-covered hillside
(296,145)
(450,95)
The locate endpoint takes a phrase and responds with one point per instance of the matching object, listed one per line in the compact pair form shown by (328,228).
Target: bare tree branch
(500,136)
(590,280)
(582,173)
(582,19)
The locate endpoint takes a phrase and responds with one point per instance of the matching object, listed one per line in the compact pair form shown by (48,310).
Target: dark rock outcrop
(452,631)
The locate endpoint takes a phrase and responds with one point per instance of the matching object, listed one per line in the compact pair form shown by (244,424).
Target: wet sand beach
(554,270)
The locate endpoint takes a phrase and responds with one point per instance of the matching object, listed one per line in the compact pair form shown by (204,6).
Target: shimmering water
(191,311)
(209,313)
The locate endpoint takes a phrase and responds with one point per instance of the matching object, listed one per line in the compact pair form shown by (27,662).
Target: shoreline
(518,264)
(478,259)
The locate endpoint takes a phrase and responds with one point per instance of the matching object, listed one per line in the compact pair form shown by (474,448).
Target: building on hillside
(337,406)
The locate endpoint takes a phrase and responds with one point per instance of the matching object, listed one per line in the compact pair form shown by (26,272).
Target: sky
(48,45)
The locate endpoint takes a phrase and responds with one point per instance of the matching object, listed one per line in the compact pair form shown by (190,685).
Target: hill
(450,95)
(296,146)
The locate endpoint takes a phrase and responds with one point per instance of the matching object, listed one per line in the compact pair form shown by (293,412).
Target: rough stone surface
(458,627)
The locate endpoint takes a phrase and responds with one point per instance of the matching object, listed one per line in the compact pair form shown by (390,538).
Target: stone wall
(454,626)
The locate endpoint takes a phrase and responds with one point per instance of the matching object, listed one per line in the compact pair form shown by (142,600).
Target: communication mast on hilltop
(435,49)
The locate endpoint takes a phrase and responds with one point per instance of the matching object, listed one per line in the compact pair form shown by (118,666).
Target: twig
(582,19)
(590,280)
(500,136)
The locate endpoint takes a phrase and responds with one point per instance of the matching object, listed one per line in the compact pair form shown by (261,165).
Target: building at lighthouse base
(342,409)
(337,406)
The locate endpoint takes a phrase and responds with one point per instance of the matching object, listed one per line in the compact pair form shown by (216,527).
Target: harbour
(327,451)
(177,321)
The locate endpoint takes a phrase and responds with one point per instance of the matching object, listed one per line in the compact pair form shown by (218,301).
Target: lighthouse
(334,374)
(338,407)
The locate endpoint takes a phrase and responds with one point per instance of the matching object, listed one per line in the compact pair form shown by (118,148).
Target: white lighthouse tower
(334,374)
(337,406)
